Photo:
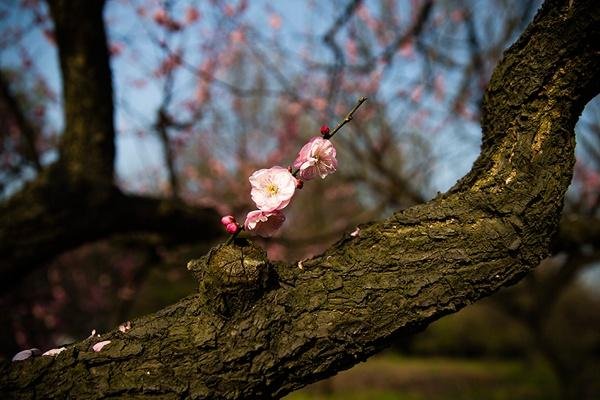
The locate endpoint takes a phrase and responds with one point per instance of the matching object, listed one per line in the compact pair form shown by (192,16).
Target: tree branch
(64,217)
(260,329)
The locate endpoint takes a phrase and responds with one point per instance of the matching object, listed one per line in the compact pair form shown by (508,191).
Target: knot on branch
(233,276)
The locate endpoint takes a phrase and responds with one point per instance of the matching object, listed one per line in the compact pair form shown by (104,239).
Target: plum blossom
(317,157)
(272,189)
(264,223)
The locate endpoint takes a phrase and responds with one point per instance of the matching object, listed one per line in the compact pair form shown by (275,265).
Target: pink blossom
(317,157)
(275,21)
(192,15)
(273,188)
(264,223)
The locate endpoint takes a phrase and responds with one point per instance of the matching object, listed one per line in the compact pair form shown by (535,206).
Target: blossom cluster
(273,188)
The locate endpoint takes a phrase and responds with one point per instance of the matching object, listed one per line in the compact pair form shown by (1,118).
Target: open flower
(317,157)
(264,223)
(272,189)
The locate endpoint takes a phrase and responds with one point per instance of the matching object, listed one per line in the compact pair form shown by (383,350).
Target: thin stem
(347,119)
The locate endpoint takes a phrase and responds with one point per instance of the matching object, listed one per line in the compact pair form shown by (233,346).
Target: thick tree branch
(260,330)
(66,216)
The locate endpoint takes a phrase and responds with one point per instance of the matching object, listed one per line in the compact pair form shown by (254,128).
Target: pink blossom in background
(317,157)
(416,93)
(319,104)
(237,36)
(407,49)
(264,223)
(275,21)
(272,189)
(352,49)
(192,15)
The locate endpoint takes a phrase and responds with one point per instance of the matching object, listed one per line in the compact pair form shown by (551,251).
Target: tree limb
(260,330)
(52,216)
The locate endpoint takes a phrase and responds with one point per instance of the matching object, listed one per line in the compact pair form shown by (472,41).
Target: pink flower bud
(228,219)
(324,130)
(299,184)
(232,228)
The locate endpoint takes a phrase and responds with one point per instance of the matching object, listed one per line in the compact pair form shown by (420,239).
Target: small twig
(347,119)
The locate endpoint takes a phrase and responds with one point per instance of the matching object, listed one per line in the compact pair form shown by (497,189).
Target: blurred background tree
(207,92)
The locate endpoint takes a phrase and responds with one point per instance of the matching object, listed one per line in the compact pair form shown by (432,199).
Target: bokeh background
(206,92)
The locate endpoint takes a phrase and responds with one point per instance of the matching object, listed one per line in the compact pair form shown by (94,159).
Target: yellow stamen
(272,189)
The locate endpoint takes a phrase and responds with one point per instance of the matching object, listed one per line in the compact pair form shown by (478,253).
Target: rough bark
(260,330)
(75,201)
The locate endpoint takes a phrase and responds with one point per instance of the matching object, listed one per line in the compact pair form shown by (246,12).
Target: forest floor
(390,377)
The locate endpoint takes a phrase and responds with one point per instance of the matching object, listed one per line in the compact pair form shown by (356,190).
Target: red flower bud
(232,228)
(299,184)
(324,130)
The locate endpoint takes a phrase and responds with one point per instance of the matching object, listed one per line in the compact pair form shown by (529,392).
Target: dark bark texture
(261,330)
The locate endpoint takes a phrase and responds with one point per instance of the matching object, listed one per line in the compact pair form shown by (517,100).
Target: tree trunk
(75,201)
(261,330)
(87,148)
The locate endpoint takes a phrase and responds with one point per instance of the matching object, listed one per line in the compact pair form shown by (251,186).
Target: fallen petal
(54,352)
(25,354)
(98,346)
